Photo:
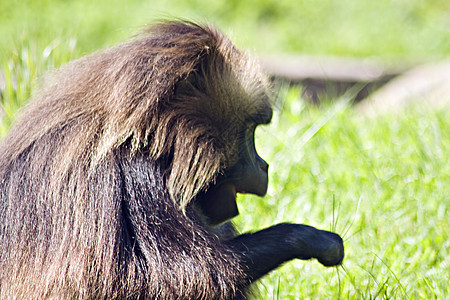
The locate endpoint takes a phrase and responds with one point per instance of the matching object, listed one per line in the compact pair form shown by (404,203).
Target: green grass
(23,71)
(382,183)
(388,28)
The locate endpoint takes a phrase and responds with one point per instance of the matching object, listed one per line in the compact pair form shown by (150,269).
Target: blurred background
(360,138)
(415,29)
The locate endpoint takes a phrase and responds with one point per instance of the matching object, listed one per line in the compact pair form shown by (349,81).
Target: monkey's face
(247,171)
(220,105)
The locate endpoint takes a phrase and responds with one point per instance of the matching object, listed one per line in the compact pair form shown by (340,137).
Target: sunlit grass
(23,70)
(382,183)
(389,28)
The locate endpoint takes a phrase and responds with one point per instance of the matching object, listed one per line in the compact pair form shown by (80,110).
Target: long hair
(97,175)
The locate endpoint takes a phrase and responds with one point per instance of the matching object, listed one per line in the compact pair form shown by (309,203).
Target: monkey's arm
(265,250)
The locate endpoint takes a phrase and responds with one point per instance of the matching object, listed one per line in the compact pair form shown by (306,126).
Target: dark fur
(98,176)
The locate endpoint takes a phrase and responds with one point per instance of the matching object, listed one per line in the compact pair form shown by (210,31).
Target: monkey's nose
(263,164)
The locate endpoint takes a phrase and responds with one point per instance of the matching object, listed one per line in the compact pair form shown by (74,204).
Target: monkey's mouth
(236,191)
(225,190)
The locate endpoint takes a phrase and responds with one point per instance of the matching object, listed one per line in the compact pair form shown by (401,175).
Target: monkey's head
(217,107)
(179,92)
(209,122)
(225,102)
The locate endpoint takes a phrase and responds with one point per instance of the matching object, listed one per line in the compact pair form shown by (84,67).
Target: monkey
(119,179)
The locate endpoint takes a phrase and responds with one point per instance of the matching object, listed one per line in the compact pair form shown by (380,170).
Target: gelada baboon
(120,177)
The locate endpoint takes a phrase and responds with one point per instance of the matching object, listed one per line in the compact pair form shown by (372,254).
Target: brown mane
(128,93)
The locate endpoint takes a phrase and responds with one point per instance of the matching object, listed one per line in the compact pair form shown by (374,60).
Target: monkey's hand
(265,250)
(326,246)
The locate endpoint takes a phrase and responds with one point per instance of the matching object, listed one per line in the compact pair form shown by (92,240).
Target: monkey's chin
(218,203)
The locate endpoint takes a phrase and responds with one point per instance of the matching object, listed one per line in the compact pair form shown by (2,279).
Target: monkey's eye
(250,128)
(262,117)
